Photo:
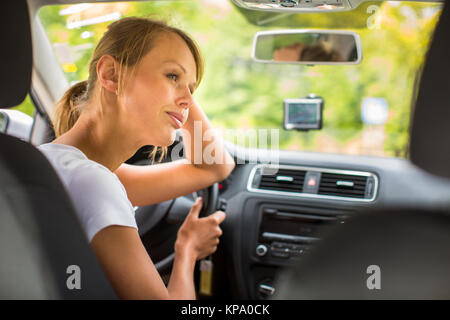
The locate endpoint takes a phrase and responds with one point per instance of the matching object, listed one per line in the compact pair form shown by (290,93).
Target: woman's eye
(172,76)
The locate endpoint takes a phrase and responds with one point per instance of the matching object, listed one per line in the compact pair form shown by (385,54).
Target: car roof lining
(36,4)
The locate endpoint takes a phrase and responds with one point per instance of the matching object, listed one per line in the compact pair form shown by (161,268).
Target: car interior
(300,224)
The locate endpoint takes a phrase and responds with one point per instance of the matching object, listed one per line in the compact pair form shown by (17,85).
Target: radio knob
(261,250)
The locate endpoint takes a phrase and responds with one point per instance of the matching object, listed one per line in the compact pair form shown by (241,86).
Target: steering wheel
(158,224)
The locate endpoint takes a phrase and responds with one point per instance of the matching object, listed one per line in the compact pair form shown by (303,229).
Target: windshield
(366,106)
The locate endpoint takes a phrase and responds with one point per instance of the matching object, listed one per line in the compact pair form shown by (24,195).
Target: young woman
(141,79)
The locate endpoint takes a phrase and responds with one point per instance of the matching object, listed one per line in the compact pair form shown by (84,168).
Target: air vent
(342,185)
(284,180)
(299,181)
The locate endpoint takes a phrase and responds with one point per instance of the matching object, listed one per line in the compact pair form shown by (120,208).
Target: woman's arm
(130,270)
(203,147)
(127,265)
(160,182)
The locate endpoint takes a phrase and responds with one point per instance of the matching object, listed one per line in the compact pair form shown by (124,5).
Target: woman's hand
(199,236)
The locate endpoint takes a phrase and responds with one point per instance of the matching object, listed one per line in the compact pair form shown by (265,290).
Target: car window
(26,106)
(366,106)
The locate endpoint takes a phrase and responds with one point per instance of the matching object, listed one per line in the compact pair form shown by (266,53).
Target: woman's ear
(108,72)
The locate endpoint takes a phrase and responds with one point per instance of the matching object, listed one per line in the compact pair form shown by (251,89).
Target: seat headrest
(430,129)
(16,53)
(383,254)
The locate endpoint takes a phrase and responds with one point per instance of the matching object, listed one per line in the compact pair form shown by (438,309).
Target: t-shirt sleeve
(100,200)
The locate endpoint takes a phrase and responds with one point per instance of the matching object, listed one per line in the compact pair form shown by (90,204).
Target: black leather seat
(410,247)
(40,235)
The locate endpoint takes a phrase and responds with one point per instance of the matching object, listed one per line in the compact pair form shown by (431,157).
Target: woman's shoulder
(90,176)
(76,170)
(63,157)
(97,193)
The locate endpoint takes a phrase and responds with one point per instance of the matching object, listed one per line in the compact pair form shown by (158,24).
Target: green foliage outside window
(26,106)
(238,93)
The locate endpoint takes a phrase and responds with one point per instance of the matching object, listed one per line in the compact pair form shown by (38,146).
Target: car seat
(42,244)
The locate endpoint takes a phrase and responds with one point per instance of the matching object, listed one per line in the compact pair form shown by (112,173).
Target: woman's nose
(185,99)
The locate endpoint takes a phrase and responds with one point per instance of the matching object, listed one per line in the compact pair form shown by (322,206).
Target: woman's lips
(177,119)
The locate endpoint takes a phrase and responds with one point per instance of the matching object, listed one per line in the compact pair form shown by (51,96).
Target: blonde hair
(127,40)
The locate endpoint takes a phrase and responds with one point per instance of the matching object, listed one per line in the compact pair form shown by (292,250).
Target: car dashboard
(279,205)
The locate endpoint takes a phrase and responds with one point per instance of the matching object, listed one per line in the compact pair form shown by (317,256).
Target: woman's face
(292,52)
(158,97)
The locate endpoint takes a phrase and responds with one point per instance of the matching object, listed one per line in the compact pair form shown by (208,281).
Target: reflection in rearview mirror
(307,47)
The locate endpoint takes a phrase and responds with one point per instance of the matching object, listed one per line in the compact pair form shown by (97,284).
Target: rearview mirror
(307,47)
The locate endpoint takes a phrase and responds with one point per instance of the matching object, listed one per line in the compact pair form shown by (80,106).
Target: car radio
(288,234)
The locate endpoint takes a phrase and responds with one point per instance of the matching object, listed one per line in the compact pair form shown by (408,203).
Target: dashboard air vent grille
(284,180)
(342,185)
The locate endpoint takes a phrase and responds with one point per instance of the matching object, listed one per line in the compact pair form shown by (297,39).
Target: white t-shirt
(97,193)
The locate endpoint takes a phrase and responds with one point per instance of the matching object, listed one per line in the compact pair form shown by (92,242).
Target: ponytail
(68,108)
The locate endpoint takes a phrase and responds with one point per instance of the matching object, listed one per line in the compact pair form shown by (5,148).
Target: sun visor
(15,53)
(430,128)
